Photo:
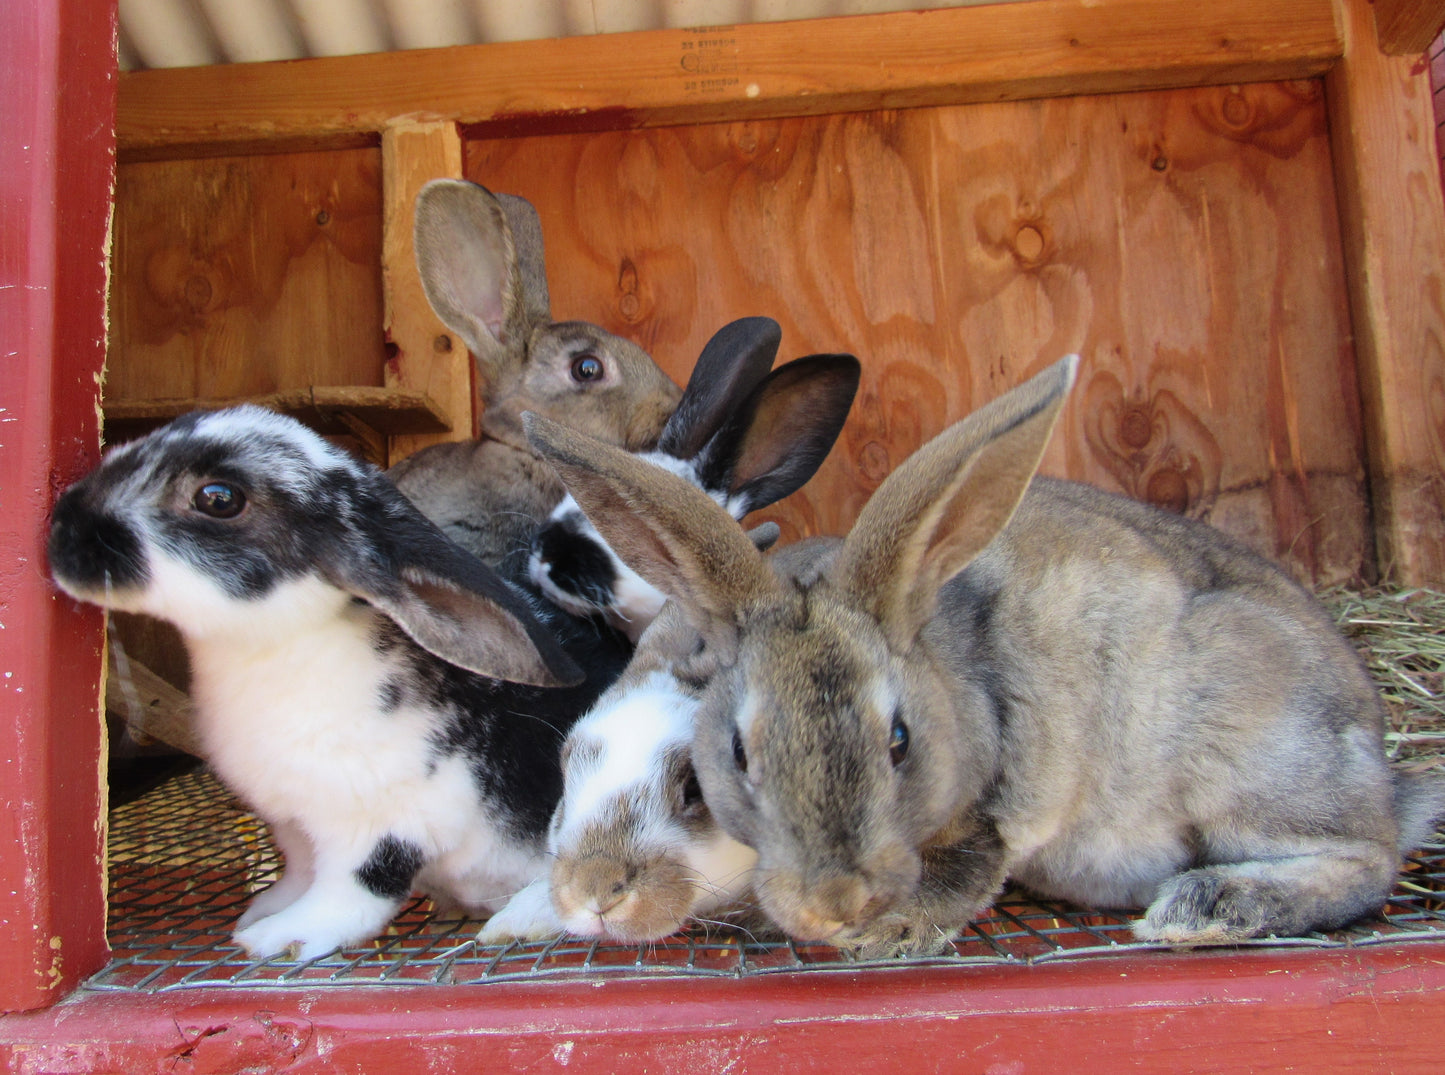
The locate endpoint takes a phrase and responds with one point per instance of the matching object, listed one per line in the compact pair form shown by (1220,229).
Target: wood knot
(1237,111)
(1029,243)
(198,292)
(874,462)
(1168,489)
(1136,428)
(629,304)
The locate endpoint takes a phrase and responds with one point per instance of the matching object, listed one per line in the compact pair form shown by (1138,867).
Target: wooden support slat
(1406,27)
(422,355)
(1393,222)
(662,77)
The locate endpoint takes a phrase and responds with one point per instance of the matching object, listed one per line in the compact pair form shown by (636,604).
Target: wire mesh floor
(185,858)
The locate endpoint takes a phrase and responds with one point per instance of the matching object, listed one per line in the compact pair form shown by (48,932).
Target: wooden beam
(423,355)
(1406,27)
(659,77)
(1393,222)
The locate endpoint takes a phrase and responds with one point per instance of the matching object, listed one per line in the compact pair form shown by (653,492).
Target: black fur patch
(92,549)
(576,564)
(390,868)
(511,734)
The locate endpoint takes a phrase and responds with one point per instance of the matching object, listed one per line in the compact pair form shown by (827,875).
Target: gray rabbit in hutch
(480,258)
(997,676)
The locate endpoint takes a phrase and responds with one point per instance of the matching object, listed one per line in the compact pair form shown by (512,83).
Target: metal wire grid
(186,858)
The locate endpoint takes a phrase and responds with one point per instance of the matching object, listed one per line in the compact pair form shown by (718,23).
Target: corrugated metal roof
(188,33)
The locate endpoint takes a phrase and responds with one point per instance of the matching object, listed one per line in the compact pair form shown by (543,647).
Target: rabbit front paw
(897,934)
(528,916)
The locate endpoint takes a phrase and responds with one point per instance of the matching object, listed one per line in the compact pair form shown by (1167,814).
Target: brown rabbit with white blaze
(480,258)
(998,676)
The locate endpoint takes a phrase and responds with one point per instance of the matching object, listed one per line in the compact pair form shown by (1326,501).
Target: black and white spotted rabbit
(744,435)
(391,707)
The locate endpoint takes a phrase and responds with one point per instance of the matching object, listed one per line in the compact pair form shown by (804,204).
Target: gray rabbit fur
(480,258)
(996,677)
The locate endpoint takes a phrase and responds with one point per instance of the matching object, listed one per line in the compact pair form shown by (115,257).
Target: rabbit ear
(731,365)
(468,262)
(665,528)
(448,601)
(946,502)
(526,225)
(773,444)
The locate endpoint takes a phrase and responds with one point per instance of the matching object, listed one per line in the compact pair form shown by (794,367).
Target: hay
(1401,635)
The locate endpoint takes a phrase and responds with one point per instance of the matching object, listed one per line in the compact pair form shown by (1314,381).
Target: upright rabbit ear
(526,225)
(731,365)
(449,602)
(467,257)
(665,528)
(778,439)
(946,502)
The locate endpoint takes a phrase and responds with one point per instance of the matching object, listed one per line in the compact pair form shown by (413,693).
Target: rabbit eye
(691,790)
(740,756)
(586,368)
(898,742)
(219,500)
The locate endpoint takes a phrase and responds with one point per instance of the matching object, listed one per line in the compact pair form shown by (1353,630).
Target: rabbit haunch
(350,667)
(994,678)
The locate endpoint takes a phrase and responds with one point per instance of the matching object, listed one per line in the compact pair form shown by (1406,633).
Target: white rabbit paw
(309,929)
(528,916)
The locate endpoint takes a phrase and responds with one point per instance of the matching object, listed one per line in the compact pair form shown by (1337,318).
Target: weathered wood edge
(661,77)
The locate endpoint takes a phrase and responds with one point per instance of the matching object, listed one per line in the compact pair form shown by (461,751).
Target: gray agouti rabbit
(996,676)
(481,263)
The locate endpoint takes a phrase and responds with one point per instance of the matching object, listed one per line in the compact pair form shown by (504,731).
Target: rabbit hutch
(1231,211)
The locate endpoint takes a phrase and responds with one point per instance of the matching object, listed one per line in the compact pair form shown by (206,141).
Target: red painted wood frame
(1364,1010)
(57,154)
(1370,1009)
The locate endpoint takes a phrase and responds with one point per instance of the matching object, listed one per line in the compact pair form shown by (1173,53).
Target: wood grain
(1394,240)
(244,276)
(766,70)
(1406,27)
(1185,242)
(422,355)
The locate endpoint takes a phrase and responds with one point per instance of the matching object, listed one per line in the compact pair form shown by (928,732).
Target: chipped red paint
(1342,1010)
(57,139)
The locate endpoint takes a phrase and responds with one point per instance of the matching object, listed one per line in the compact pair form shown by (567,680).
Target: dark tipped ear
(946,502)
(770,447)
(467,259)
(449,602)
(732,364)
(666,529)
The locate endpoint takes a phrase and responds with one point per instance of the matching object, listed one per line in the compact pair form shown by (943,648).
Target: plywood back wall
(238,276)
(1184,242)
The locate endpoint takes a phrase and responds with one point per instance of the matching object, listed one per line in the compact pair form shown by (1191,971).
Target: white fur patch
(632,732)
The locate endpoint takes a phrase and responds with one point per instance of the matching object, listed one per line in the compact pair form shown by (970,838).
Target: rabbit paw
(310,928)
(897,934)
(1211,907)
(528,916)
